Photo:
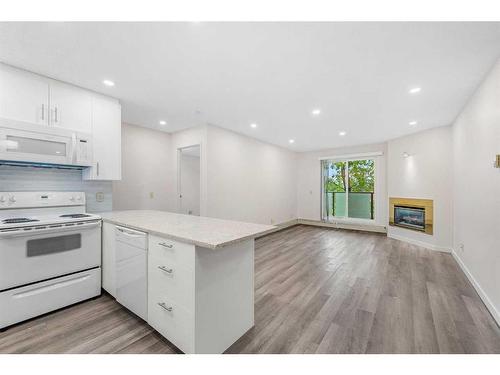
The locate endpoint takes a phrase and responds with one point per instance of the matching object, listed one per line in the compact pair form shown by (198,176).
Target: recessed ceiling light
(163,122)
(415,90)
(253,125)
(342,133)
(413,123)
(316,112)
(291,141)
(109,83)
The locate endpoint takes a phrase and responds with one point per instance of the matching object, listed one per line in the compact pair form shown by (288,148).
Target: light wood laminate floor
(316,291)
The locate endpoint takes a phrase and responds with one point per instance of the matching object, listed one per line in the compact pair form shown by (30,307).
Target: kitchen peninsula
(199,273)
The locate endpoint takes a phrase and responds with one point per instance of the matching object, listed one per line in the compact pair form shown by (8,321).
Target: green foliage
(361,176)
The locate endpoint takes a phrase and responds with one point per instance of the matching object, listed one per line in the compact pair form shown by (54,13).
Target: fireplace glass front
(409,217)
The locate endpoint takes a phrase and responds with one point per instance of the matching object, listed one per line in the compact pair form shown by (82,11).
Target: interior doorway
(189,180)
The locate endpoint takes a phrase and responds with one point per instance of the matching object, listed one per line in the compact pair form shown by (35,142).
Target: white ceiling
(273,74)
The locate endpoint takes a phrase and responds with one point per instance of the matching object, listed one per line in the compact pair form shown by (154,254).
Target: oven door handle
(50,229)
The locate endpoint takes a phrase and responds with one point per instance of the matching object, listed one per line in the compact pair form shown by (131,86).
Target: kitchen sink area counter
(197,273)
(201,231)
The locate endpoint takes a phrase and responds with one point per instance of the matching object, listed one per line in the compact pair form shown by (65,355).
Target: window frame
(376,156)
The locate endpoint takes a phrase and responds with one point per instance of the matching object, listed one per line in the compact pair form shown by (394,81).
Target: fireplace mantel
(412,203)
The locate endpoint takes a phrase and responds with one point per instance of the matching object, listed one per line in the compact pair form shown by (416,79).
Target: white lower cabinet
(109,258)
(171,291)
(200,299)
(172,320)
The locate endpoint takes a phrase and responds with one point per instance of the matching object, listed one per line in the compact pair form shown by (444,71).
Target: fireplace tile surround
(412,214)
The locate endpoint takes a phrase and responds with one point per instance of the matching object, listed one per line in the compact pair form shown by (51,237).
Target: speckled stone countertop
(201,231)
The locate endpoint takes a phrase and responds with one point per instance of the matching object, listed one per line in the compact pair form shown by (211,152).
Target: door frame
(179,171)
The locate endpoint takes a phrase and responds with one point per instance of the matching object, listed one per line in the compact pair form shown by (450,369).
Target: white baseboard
(280,226)
(426,245)
(345,225)
(484,297)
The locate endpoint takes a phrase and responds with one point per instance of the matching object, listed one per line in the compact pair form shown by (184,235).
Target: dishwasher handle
(130,233)
(131,237)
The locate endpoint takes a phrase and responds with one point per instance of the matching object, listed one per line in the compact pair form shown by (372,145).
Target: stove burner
(18,220)
(75,216)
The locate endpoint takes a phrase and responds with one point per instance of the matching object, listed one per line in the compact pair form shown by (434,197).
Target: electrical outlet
(99,196)
(151,195)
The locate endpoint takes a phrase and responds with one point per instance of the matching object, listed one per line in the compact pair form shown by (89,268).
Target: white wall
(249,180)
(426,174)
(146,168)
(309,181)
(476,198)
(190,184)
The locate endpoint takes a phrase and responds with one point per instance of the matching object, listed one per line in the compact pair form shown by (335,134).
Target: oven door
(41,253)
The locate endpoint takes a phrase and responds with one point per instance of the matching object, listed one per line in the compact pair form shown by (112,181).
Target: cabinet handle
(163,305)
(43,111)
(55,111)
(97,168)
(165,269)
(165,245)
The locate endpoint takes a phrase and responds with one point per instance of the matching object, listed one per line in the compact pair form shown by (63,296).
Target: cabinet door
(23,96)
(106,138)
(70,107)
(109,258)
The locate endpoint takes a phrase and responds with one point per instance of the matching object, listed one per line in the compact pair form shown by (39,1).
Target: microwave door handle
(73,147)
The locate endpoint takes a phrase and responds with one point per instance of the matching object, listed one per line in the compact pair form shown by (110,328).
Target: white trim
(484,297)
(179,171)
(366,227)
(426,245)
(280,226)
(351,156)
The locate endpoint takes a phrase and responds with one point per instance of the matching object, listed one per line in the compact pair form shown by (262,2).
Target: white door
(23,96)
(106,138)
(189,180)
(70,107)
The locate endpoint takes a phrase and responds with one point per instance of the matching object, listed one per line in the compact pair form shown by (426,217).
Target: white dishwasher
(131,270)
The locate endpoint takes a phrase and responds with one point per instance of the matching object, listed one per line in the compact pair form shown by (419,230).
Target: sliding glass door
(348,189)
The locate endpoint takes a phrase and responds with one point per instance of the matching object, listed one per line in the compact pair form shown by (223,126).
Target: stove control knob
(12,199)
(72,199)
(2,199)
(79,198)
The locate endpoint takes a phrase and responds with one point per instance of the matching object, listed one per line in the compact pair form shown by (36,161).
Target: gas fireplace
(412,213)
(409,217)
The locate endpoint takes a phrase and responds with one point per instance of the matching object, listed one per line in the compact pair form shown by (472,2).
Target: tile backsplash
(45,179)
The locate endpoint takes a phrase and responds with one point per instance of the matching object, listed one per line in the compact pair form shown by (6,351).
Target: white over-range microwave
(22,142)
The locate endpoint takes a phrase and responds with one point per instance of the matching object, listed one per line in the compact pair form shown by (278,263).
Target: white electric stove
(50,253)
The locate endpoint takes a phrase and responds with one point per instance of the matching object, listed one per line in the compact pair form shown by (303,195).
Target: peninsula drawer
(172,251)
(173,321)
(171,280)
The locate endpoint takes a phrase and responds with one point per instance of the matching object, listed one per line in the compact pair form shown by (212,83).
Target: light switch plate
(99,197)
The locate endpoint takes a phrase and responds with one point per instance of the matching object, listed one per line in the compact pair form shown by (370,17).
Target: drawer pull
(164,306)
(165,245)
(165,269)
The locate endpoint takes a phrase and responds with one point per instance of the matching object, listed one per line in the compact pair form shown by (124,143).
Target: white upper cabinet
(106,138)
(23,96)
(70,107)
(40,100)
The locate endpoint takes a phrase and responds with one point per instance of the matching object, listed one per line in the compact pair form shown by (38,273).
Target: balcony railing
(359,205)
